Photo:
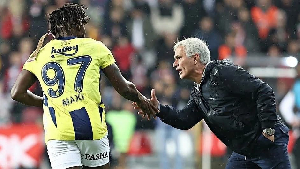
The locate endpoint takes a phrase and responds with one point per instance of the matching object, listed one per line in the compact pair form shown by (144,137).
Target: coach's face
(183,64)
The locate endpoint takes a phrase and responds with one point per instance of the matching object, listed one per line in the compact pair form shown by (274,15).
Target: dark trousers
(296,152)
(266,154)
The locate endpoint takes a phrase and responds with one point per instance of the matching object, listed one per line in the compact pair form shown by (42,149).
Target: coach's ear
(196,58)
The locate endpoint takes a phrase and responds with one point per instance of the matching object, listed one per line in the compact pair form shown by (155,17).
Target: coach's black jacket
(236,106)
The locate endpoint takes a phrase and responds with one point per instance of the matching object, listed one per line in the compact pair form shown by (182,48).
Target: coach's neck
(198,71)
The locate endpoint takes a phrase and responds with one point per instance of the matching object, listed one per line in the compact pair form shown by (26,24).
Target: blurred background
(260,35)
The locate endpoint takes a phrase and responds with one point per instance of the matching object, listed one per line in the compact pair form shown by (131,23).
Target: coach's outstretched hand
(148,113)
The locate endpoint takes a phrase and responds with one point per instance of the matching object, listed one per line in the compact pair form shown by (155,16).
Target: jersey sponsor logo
(66,50)
(98,156)
(72,99)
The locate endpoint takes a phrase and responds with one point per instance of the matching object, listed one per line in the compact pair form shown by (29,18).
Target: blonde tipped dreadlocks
(39,46)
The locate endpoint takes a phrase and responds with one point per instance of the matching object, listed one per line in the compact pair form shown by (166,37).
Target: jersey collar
(66,38)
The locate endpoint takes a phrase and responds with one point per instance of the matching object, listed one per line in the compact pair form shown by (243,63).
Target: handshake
(147,107)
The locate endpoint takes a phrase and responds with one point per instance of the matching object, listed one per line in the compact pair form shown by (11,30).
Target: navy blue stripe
(51,110)
(45,100)
(82,124)
(101,101)
(100,112)
(53,117)
(66,38)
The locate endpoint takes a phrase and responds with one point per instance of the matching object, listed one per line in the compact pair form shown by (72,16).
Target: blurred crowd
(141,35)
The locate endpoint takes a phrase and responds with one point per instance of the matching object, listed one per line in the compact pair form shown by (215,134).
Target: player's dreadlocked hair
(62,21)
(67,18)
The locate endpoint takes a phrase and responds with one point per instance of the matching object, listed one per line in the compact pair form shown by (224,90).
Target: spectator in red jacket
(230,49)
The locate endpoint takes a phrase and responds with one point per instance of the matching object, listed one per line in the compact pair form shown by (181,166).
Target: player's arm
(20,91)
(124,87)
(128,89)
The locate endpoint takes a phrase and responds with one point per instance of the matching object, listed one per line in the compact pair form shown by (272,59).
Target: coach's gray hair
(194,46)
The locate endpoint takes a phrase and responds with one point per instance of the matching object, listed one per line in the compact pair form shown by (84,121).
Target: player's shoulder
(45,48)
(90,41)
(102,47)
(94,43)
(101,44)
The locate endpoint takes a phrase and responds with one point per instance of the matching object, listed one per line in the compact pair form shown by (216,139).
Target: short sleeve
(30,65)
(106,57)
(107,60)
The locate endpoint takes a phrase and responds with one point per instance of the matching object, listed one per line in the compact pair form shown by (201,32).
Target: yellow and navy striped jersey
(68,70)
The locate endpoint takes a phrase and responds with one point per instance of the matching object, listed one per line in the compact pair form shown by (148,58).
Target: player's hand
(146,109)
(272,138)
(153,107)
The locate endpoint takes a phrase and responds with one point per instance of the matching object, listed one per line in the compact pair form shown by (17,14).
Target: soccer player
(68,69)
(239,108)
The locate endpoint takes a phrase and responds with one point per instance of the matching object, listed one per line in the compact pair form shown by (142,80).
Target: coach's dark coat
(236,106)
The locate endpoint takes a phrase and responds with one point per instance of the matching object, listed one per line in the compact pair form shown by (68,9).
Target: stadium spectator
(264,15)
(231,49)
(291,8)
(11,74)
(207,32)
(115,25)
(274,51)
(122,133)
(139,74)
(226,14)
(13,20)
(167,17)
(246,31)
(25,48)
(293,49)
(142,5)
(279,34)
(107,41)
(123,52)
(140,29)
(164,132)
(193,13)
(164,46)
(38,23)
(5,51)
(5,117)
(210,7)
